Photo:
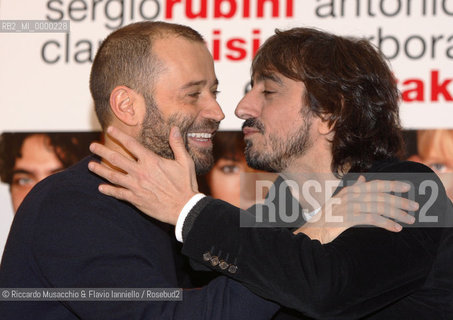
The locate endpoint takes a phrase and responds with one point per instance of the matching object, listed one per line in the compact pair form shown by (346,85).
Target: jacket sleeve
(363,270)
(86,248)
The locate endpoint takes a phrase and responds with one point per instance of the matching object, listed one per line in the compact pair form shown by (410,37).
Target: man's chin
(203,166)
(204,161)
(259,162)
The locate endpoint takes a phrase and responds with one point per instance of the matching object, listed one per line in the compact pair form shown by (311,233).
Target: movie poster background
(44,75)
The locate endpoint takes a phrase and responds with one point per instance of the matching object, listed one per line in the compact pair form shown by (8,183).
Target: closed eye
(194,94)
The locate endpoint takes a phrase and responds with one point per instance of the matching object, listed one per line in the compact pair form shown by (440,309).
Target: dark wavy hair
(69,148)
(349,84)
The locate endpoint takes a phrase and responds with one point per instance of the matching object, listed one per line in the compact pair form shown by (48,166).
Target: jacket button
(207,256)
(223,265)
(232,269)
(214,261)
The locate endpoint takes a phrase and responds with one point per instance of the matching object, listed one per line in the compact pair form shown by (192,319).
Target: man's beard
(156,131)
(281,151)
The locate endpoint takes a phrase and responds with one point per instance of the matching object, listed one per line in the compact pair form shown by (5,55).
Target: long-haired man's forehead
(268,74)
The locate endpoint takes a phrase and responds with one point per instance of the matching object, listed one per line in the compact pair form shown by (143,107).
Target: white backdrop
(44,76)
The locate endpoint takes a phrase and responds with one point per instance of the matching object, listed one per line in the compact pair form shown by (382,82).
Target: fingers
(367,216)
(182,156)
(111,175)
(399,215)
(382,222)
(374,200)
(113,157)
(130,143)
(385,198)
(116,192)
(387,211)
(361,179)
(382,204)
(177,145)
(379,186)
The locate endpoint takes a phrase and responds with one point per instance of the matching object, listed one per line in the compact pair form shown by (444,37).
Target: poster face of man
(37,161)
(26,158)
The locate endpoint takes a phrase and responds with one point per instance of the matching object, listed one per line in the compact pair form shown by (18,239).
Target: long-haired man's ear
(326,125)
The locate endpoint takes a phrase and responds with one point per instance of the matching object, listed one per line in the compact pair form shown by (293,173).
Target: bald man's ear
(126,105)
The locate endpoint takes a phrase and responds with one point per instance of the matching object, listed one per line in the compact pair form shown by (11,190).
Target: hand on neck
(115,145)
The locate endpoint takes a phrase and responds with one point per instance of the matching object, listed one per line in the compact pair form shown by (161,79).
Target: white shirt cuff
(183,215)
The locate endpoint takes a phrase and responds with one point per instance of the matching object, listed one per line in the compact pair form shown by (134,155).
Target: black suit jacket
(68,235)
(365,273)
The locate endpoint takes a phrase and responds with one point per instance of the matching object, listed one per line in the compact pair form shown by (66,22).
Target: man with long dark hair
(325,107)
(28,157)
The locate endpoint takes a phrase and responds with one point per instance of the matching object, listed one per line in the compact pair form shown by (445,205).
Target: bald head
(125,58)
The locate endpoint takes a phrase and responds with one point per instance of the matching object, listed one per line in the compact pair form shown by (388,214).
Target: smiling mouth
(200,136)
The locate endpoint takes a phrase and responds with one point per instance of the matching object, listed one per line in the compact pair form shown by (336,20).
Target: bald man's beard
(156,131)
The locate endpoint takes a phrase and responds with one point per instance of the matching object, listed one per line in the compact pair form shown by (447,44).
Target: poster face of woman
(435,149)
